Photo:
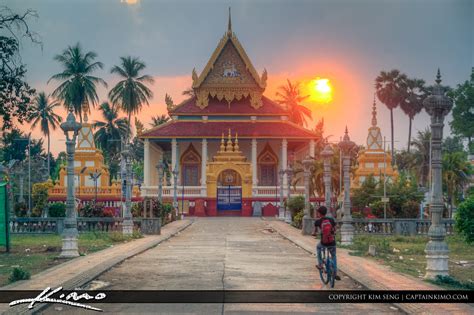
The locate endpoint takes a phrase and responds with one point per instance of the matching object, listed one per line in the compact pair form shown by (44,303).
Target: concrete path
(373,275)
(79,271)
(223,253)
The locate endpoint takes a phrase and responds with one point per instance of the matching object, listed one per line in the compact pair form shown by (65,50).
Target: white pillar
(312,146)
(174,149)
(284,163)
(203,167)
(146,166)
(254,163)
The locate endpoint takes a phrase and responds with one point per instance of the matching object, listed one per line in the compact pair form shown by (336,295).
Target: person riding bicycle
(327,225)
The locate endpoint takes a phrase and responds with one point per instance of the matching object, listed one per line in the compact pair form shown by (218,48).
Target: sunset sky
(348,42)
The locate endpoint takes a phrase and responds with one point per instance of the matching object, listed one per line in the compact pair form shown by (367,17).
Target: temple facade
(228,142)
(374,160)
(91,175)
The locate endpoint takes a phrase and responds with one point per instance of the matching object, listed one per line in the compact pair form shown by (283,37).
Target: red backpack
(327,232)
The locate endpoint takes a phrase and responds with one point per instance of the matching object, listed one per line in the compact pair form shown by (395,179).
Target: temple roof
(240,107)
(214,129)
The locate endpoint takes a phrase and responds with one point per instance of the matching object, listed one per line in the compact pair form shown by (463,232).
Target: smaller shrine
(374,160)
(91,175)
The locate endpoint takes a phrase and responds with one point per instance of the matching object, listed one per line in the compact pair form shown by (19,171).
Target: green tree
(110,130)
(78,87)
(390,90)
(465,219)
(40,198)
(131,93)
(159,120)
(290,96)
(456,175)
(15,92)
(452,144)
(422,156)
(412,103)
(43,115)
(15,145)
(463,111)
(365,194)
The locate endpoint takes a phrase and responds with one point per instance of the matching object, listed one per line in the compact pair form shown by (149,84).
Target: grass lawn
(35,253)
(406,255)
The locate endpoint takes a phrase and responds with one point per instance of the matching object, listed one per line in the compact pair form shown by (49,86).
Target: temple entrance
(229,191)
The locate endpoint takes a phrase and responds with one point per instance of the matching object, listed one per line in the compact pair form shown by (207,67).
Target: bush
(40,198)
(92,210)
(57,210)
(19,274)
(296,204)
(298,219)
(21,209)
(465,219)
(137,209)
(453,283)
(410,209)
(109,212)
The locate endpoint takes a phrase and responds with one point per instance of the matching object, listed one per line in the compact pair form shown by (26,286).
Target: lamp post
(95,176)
(175,189)
(69,248)
(281,210)
(127,225)
(307,221)
(289,174)
(327,155)
(437,105)
(347,229)
(160,169)
(21,175)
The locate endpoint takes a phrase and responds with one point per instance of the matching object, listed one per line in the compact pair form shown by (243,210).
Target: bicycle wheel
(323,272)
(331,272)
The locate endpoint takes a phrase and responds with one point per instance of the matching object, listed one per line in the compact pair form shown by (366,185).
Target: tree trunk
(391,123)
(49,144)
(409,134)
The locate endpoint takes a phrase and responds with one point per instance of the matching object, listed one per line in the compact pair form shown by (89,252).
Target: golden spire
(236,145)
(229,145)
(374,114)
(229,25)
(222,143)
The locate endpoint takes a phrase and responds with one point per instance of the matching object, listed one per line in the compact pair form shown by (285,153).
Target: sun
(320,90)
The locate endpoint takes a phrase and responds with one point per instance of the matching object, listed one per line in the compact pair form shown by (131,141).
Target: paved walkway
(224,253)
(76,272)
(373,275)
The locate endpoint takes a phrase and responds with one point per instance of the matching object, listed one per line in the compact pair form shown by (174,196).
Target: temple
(228,142)
(91,175)
(374,160)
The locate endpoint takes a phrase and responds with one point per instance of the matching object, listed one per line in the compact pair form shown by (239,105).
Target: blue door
(229,198)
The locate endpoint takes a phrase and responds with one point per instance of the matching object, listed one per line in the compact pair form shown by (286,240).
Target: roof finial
(374,114)
(222,143)
(229,25)
(438,77)
(229,145)
(236,144)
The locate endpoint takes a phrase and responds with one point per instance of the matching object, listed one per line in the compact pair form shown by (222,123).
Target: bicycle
(328,270)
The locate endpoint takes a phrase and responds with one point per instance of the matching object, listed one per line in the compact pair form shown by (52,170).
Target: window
(191,167)
(267,165)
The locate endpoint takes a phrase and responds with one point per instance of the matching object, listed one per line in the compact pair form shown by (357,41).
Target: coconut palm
(131,93)
(456,174)
(44,115)
(111,128)
(159,120)
(290,97)
(390,91)
(412,103)
(78,86)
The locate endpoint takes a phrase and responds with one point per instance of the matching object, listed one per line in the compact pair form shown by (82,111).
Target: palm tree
(112,127)
(44,115)
(456,174)
(412,104)
(131,92)
(389,88)
(422,144)
(159,120)
(78,86)
(290,96)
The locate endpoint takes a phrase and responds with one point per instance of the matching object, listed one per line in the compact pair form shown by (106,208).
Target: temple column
(174,151)
(312,146)
(146,164)
(254,164)
(203,167)
(284,163)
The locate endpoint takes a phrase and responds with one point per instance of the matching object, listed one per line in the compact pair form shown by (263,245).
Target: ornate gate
(229,198)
